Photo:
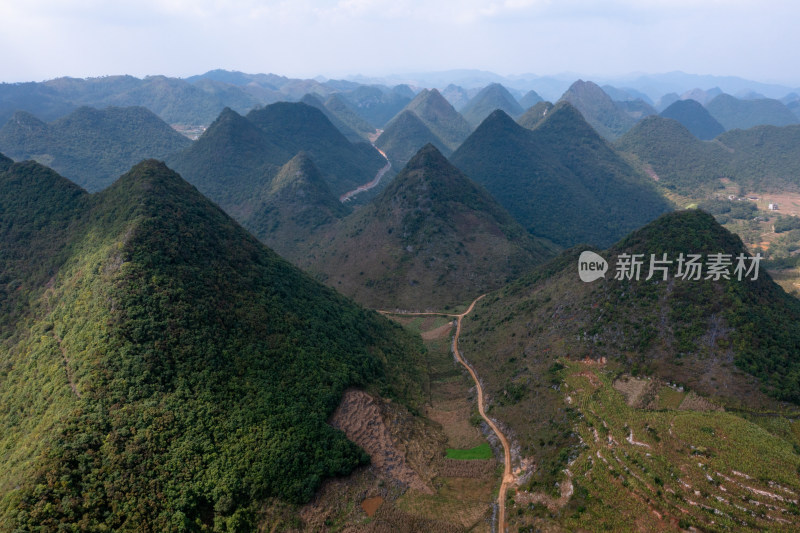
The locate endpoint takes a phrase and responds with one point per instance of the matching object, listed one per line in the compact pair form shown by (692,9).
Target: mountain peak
(440,117)
(598,109)
(299,169)
(493,96)
(695,117)
(404,135)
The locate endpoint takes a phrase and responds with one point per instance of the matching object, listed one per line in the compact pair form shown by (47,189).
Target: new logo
(591,266)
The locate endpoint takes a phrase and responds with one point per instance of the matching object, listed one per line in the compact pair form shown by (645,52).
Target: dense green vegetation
(724,210)
(598,109)
(161,369)
(440,117)
(296,127)
(295,204)
(92,147)
(763,158)
(560,180)
(432,238)
(481,451)
(734,113)
(695,118)
(490,98)
(404,136)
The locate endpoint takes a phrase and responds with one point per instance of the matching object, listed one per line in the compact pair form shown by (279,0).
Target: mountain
(733,113)
(34,98)
(554,350)
(530,99)
(174,100)
(92,147)
(431,239)
(531,118)
(758,159)
(491,97)
(349,133)
(342,109)
(293,205)
(440,117)
(598,109)
(560,180)
(376,105)
(456,95)
(236,157)
(231,162)
(404,136)
(695,118)
(296,127)
(164,370)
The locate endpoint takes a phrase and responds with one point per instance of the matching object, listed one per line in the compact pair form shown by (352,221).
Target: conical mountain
(440,117)
(293,205)
(598,109)
(168,364)
(432,238)
(349,133)
(491,97)
(734,113)
(298,127)
(340,107)
(91,146)
(718,342)
(561,181)
(695,118)
(237,157)
(533,116)
(231,162)
(530,99)
(404,136)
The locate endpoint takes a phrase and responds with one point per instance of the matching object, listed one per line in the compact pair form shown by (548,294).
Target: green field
(482,451)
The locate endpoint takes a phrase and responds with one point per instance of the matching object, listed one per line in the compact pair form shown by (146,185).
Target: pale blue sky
(42,39)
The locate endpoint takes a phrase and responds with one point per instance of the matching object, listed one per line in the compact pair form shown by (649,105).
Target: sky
(44,39)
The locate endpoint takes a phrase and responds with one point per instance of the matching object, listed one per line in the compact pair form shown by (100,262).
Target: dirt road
(367,186)
(508,477)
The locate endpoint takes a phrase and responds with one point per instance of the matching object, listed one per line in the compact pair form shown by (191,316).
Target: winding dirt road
(367,186)
(508,477)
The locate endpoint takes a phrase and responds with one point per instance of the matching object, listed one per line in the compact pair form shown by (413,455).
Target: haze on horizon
(44,39)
